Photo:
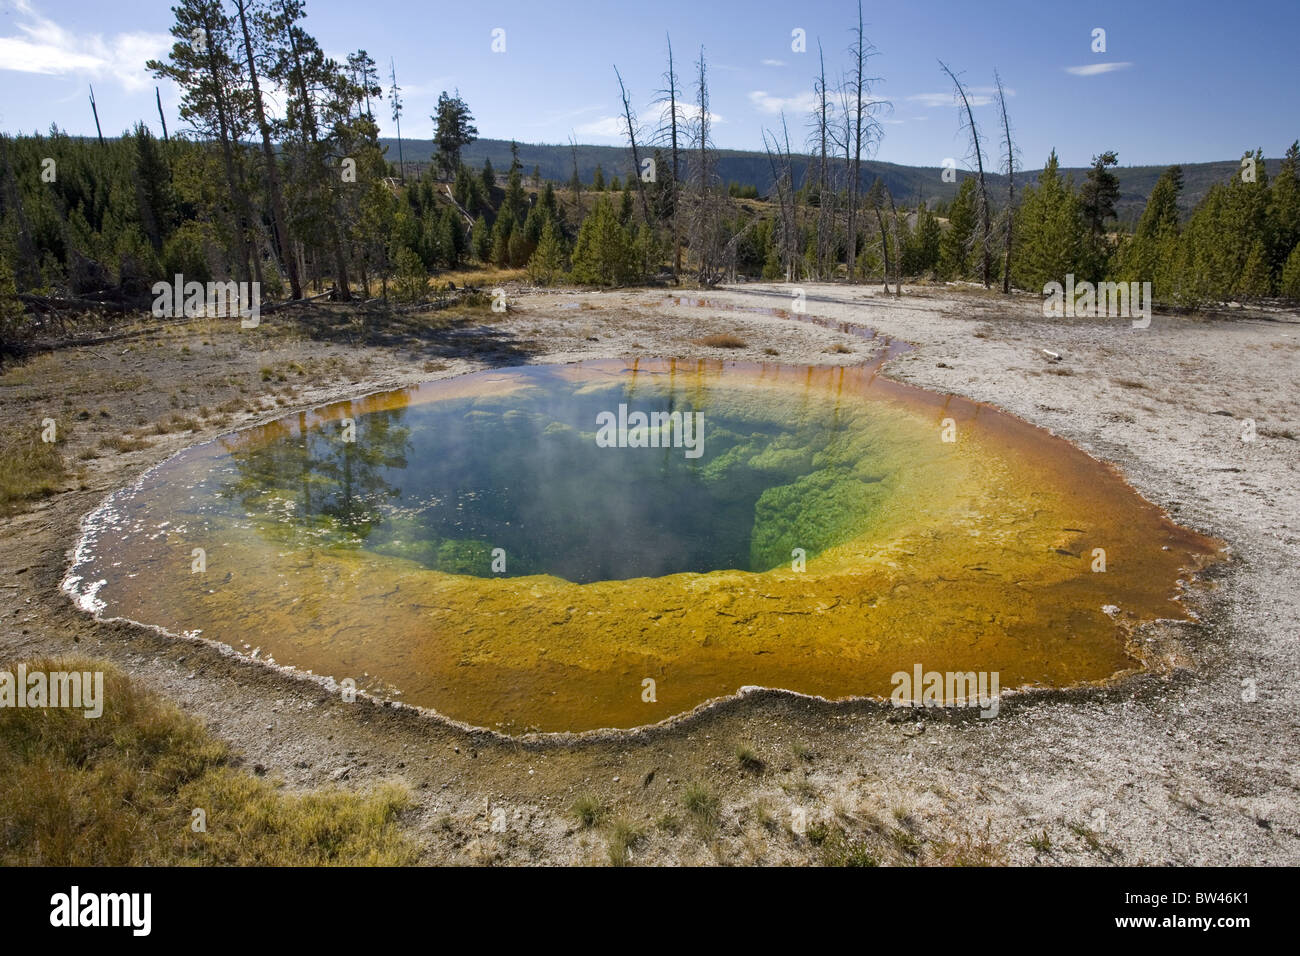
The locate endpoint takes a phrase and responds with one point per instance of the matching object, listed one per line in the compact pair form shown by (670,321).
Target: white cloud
(766,103)
(615,127)
(1094,69)
(774,62)
(608,127)
(938,100)
(976,95)
(45,48)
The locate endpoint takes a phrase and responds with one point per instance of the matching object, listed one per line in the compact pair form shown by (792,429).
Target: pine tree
(501,232)
(481,241)
(1256,279)
(955,246)
(1161,210)
(1050,230)
(603,254)
(454,129)
(1290,284)
(412,283)
(1284,207)
(547,263)
(12,314)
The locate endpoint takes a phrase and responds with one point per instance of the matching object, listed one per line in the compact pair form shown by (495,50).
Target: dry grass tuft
(723,340)
(120,790)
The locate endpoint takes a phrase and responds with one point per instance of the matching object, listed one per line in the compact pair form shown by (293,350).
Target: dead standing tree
(983,225)
(1009,168)
(825,194)
(860,128)
(787,202)
(630,119)
(705,225)
(670,95)
(876,196)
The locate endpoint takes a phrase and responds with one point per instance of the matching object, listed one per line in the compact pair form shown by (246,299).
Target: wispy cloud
(607,127)
(1095,69)
(976,95)
(774,62)
(615,127)
(43,47)
(767,103)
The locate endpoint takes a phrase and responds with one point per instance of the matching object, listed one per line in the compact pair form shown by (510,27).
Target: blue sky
(1178,82)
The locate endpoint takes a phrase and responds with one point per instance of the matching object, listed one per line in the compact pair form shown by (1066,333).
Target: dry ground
(1179,765)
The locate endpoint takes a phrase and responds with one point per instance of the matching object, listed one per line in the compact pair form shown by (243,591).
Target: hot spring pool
(520,550)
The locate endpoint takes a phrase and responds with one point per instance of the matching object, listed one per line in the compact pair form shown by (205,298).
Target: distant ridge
(751,168)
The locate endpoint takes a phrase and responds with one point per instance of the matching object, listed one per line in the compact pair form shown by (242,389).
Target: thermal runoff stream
(609,544)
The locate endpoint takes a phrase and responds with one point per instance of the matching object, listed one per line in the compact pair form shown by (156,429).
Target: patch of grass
(702,804)
(120,790)
(770,351)
(624,836)
(843,850)
(124,443)
(1129,383)
(748,759)
(801,788)
(817,833)
(1087,835)
(802,751)
(905,842)
(1041,842)
(589,810)
(969,849)
(723,340)
(764,816)
(840,349)
(30,469)
(669,824)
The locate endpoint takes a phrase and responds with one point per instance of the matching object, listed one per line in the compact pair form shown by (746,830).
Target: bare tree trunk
(677,182)
(279,223)
(822,192)
(985,225)
(397,118)
(163,119)
(341,290)
(238,195)
(884,241)
(95,109)
(1010,167)
(898,250)
(631,138)
(855,175)
(705,228)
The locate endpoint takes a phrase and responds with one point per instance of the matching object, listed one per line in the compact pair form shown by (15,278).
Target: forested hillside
(305,197)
